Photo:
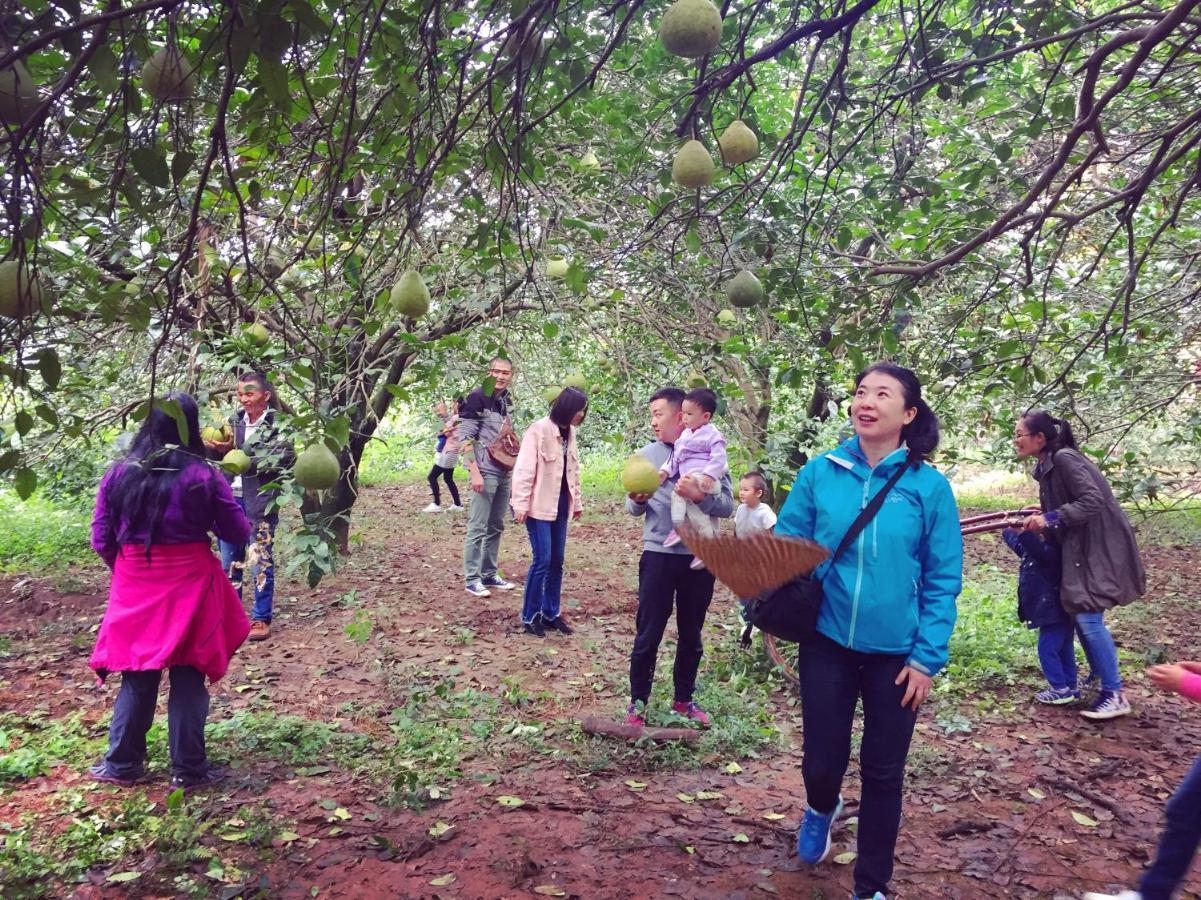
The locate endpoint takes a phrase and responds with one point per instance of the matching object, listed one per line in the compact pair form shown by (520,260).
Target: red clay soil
(989,812)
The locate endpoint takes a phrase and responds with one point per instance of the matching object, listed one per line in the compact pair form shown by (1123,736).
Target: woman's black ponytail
(921,435)
(1056,432)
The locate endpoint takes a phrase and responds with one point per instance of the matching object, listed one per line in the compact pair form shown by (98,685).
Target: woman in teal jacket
(886,616)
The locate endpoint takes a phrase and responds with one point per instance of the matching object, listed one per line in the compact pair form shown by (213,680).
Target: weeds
(32,745)
(37,535)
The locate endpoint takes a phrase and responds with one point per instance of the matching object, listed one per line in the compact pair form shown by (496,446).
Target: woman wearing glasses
(1101,565)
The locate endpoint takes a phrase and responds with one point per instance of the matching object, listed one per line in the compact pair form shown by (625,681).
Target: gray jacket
(1101,565)
(658,508)
(480,420)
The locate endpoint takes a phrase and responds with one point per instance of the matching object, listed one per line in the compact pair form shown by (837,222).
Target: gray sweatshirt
(480,421)
(658,509)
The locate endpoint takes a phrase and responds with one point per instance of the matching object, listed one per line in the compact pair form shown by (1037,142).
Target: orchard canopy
(1003,196)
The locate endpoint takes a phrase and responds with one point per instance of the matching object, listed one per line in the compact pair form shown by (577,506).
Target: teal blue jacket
(893,590)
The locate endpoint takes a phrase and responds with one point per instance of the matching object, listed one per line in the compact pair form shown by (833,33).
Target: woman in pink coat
(545,496)
(170,605)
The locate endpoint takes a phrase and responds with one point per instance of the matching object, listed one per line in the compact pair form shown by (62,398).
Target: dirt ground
(1004,798)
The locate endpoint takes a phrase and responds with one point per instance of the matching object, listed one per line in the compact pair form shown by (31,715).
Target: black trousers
(133,713)
(664,579)
(448,475)
(833,679)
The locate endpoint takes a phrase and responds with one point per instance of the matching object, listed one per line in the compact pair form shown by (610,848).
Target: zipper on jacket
(859,568)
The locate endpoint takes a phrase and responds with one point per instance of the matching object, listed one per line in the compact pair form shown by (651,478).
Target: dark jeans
(447,475)
(262,570)
(1057,654)
(662,578)
(833,679)
(544,580)
(133,713)
(1178,843)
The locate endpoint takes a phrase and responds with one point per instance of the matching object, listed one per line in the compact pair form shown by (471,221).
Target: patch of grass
(99,834)
(396,458)
(291,739)
(1180,524)
(38,535)
(989,645)
(32,745)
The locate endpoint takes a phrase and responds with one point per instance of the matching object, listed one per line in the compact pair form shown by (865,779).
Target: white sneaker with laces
(1109,705)
(433,507)
(499,583)
(455,508)
(1125,895)
(476,589)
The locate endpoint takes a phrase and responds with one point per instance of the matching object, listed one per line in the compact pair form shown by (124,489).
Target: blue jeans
(1099,648)
(544,580)
(833,679)
(1178,843)
(133,713)
(262,569)
(1057,654)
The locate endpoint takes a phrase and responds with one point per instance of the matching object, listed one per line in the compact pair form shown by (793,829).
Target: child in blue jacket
(1039,607)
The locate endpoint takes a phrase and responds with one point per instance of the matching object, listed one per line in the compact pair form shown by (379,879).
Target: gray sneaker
(499,583)
(1109,705)
(477,589)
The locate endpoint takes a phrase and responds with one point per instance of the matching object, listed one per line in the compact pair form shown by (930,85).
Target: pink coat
(178,609)
(538,474)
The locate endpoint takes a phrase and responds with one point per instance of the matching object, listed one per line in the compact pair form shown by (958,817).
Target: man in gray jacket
(664,574)
(480,419)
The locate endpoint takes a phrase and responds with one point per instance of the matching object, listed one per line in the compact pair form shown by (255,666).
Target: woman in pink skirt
(170,605)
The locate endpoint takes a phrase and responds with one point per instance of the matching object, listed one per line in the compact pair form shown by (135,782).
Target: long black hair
(920,435)
(138,495)
(1057,432)
(569,402)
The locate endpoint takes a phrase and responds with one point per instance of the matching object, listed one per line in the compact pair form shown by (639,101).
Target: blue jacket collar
(849,455)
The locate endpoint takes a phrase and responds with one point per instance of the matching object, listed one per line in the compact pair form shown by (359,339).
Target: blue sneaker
(813,838)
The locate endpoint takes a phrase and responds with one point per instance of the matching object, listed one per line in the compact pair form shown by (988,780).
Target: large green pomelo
(691,28)
(169,76)
(410,297)
(236,462)
(738,143)
(317,468)
(20,294)
(744,290)
(693,166)
(640,476)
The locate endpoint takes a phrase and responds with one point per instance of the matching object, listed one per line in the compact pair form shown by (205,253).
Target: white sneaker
(455,508)
(476,589)
(433,507)
(1109,705)
(1125,895)
(499,583)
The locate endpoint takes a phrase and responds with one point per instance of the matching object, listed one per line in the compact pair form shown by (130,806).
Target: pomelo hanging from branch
(691,28)
(693,166)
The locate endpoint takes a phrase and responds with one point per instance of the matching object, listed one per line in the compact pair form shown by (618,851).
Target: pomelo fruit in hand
(236,462)
(640,475)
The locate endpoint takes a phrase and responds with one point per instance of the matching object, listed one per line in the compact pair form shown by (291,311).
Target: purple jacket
(201,501)
(703,450)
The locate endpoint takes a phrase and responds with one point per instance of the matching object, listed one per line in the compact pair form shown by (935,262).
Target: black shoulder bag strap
(865,516)
(868,512)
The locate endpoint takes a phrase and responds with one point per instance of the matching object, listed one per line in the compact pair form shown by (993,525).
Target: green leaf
(151,165)
(510,802)
(489,385)
(842,240)
(50,367)
(175,411)
(26,482)
(122,877)
(181,162)
(274,79)
(692,241)
(1084,820)
(24,422)
(338,431)
(103,66)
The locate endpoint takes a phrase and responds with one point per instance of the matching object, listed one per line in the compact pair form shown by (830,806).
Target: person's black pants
(1178,843)
(833,679)
(133,713)
(447,475)
(664,578)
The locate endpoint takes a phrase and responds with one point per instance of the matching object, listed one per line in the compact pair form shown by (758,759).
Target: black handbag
(789,612)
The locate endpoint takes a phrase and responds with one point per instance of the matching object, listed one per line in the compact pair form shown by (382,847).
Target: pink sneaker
(690,710)
(633,717)
(672,539)
(696,565)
